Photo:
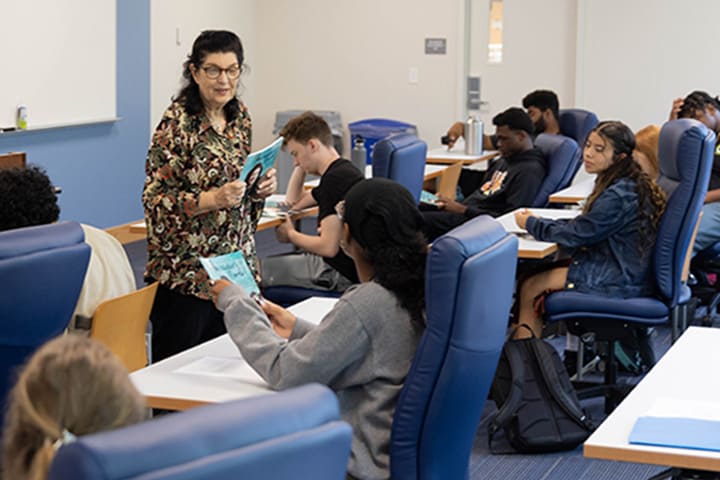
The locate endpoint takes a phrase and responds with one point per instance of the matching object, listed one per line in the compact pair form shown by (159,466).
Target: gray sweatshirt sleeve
(319,356)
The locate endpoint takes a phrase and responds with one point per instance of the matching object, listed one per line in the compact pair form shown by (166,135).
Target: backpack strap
(552,380)
(512,402)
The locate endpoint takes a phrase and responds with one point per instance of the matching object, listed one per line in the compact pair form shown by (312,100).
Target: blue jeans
(709,229)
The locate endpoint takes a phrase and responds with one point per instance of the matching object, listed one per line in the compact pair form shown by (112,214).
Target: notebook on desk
(679,424)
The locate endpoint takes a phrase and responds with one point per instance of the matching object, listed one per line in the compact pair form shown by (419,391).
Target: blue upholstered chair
(576,123)
(469,283)
(685,157)
(401,157)
(43,269)
(288,435)
(561,155)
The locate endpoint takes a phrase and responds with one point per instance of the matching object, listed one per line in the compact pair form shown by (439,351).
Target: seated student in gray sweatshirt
(363,348)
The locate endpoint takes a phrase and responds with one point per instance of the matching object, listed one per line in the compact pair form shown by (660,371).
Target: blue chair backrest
(469,282)
(576,123)
(560,154)
(685,156)
(401,157)
(43,269)
(289,435)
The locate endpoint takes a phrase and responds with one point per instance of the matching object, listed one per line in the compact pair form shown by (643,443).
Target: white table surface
(165,387)
(431,171)
(688,371)
(528,247)
(574,193)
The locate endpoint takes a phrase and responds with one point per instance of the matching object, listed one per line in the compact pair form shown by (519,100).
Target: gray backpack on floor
(538,409)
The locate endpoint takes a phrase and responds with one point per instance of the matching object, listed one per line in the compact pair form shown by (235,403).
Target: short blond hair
(73,384)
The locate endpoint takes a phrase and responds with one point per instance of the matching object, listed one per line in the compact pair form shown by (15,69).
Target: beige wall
(354,57)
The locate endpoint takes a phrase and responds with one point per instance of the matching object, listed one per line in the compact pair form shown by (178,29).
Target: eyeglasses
(214,72)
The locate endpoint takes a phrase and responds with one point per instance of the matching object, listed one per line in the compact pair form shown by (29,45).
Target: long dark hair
(384,220)
(209,41)
(651,198)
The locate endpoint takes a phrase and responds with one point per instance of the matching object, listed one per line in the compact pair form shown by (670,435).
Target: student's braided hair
(651,198)
(697,100)
(384,220)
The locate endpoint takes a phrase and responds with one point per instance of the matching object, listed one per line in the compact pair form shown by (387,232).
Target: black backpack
(537,405)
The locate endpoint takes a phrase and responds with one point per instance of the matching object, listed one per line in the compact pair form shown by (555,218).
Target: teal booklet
(233,267)
(429,198)
(258,163)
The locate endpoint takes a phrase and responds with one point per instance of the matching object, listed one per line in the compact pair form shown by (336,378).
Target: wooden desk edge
(537,254)
(668,459)
(166,403)
(561,199)
(128,233)
(449,160)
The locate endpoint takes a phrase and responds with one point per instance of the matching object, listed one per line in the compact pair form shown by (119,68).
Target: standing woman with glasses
(195,204)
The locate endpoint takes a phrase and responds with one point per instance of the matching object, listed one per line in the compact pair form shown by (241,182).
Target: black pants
(182,321)
(438,223)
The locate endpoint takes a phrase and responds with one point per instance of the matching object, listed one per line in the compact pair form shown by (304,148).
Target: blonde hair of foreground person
(71,386)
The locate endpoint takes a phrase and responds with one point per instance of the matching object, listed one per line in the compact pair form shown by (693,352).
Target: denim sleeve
(610,212)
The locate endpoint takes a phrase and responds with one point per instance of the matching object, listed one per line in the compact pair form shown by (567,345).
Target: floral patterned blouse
(186,157)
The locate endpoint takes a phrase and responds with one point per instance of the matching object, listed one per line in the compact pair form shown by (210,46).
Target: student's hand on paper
(217,287)
(282,320)
(522,216)
(676,106)
(268,184)
(455,131)
(450,205)
(282,231)
(230,195)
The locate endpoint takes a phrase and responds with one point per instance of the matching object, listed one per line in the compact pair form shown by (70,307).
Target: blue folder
(677,433)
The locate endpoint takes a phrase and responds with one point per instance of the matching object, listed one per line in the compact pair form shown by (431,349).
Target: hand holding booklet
(233,267)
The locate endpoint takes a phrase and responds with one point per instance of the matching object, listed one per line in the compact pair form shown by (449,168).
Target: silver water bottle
(473,135)
(358,156)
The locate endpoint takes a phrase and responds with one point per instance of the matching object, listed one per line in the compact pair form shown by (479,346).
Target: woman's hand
(522,216)
(282,320)
(217,287)
(229,195)
(268,184)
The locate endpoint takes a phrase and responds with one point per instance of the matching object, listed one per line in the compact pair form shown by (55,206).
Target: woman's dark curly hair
(209,41)
(27,198)
(651,197)
(384,220)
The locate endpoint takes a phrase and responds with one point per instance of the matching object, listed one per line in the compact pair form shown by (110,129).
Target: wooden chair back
(12,160)
(120,324)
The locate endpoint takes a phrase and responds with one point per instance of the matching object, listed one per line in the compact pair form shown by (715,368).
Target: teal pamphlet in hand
(233,267)
(258,163)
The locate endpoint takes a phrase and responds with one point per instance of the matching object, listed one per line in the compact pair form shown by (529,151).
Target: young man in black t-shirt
(323,265)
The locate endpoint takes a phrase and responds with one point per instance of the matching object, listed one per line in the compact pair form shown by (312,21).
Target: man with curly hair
(27,198)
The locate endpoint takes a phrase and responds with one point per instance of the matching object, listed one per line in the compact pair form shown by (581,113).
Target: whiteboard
(58,59)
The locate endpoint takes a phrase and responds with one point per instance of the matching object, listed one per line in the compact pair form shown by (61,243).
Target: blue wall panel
(101,167)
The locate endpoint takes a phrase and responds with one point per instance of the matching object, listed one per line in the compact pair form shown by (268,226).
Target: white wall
(354,57)
(192,17)
(538,52)
(634,57)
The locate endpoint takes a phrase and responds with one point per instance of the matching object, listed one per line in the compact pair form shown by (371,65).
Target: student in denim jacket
(610,242)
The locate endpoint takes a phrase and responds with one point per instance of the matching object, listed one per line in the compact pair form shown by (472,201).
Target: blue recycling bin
(374,129)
